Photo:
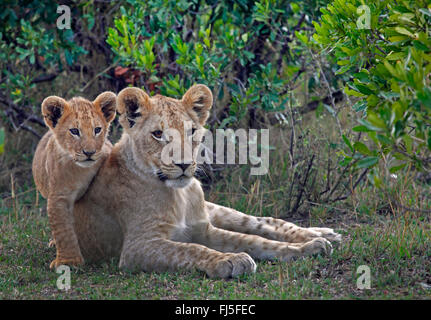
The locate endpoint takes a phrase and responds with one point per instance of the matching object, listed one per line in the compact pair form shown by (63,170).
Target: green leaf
(391,69)
(2,140)
(420,46)
(429,139)
(347,142)
(395,56)
(359,106)
(368,125)
(384,140)
(295,7)
(361,129)
(362,148)
(364,89)
(343,69)
(425,12)
(404,31)
(367,162)
(397,168)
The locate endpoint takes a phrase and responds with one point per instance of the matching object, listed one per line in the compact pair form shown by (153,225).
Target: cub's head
(165,132)
(80,126)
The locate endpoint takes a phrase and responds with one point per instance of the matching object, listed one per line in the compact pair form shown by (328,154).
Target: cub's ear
(53,109)
(199,99)
(107,102)
(132,103)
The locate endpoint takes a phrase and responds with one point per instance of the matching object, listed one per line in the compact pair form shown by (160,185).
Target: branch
(30,129)
(301,191)
(336,96)
(45,77)
(353,188)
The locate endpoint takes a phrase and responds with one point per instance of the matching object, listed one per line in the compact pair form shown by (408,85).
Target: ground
(396,249)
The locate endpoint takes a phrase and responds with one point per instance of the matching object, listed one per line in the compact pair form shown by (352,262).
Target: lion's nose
(183,166)
(88,153)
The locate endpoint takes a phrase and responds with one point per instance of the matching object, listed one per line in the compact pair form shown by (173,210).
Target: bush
(31,51)
(247,52)
(385,50)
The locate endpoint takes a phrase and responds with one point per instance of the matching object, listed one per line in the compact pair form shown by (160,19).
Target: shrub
(246,51)
(32,50)
(385,50)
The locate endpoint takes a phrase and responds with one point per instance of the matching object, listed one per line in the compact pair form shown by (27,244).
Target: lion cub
(66,160)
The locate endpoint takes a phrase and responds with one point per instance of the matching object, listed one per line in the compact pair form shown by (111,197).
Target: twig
(19,194)
(12,183)
(353,187)
(301,191)
(96,77)
(37,198)
(410,209)
(31,130)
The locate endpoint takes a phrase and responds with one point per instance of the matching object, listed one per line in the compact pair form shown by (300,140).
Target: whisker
(161,175)
(200,172)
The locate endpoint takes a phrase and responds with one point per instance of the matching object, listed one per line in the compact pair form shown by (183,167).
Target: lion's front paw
(75,261)
(328,234)
(232,265)
(317,245)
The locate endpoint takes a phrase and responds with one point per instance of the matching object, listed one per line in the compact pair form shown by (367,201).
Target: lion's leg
(61,222)
(258,247)
(267,227)
(163,254)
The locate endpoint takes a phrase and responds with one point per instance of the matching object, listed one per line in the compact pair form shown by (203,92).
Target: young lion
(151,213)
(66,160)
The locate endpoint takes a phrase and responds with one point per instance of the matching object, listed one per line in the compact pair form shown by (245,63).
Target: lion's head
(165,132)
(80,126)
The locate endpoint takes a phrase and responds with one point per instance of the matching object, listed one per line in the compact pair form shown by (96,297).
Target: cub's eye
(74,131)
(97,130)
(157,134)
(193,131)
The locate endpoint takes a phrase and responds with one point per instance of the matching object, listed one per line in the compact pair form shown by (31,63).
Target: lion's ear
(53,109)
(132,103)
(107,102)
(199,99)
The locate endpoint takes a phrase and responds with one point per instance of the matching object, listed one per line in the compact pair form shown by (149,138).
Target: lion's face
(80,126)
(166,132)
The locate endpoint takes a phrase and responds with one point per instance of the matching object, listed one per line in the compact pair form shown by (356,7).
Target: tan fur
(153,215)
(61,170)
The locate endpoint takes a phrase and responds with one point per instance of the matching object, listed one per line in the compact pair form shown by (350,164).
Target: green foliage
(1,140)
(389,65)
(31,46)
(31,43)
(246,51)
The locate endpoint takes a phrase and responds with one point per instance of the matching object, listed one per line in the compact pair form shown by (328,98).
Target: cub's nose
(183,166)
(88,153)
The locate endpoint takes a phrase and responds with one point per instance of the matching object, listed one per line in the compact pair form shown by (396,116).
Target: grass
(396,249)
(379,230)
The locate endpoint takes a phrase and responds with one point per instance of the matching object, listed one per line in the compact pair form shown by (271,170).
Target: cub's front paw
(51,243)
(232,265)
(75,261)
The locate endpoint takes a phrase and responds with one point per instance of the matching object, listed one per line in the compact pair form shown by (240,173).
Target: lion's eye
(193,131)
(97,130)
(157,134)
(74,131)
